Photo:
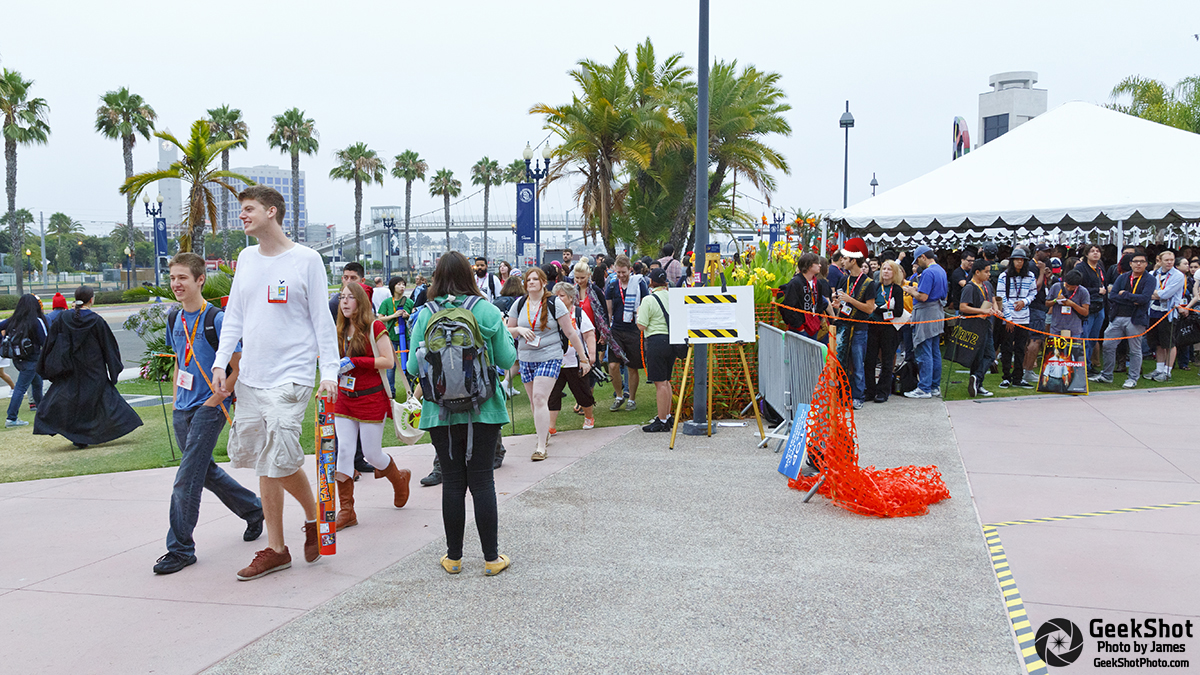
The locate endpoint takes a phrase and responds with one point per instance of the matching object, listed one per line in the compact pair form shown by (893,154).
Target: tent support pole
(824,238)
(1120,235)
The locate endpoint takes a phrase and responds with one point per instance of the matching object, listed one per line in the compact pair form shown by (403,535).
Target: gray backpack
(455,370)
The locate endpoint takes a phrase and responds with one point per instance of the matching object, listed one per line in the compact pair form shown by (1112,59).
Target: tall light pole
(535,174)
(389,223)
(154,213)
(874,183)
(698,426)
(847,123)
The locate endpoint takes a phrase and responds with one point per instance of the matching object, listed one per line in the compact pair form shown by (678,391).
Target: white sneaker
(985,393)
(1129,384)
(936,393)
(8,424)
(917,393)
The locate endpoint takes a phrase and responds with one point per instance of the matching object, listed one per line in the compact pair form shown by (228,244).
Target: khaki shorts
(265,435)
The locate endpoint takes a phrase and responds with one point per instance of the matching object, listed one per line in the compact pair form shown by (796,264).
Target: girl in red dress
(362,405)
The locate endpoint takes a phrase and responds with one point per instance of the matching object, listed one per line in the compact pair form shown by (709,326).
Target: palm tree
(193,167)
(445,185)
(486,172)
(294,133)
(599,132)
(514,172)
(124,116)
(409,167)
(23,122)
(1177,106)
(359,164)
(62,225)
(226,124)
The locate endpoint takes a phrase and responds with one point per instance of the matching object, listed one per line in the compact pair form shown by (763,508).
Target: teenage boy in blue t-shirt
(199,417)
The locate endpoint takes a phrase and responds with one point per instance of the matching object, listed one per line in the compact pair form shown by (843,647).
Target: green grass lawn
(24,456)
(954,382)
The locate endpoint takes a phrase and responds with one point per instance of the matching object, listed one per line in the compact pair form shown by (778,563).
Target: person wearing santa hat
(57,306)
(853,302)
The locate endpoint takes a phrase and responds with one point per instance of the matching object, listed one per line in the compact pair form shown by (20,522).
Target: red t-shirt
(373,407)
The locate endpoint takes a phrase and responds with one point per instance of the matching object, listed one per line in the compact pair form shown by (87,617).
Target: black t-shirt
(959,274)
(861,288)
(974,297)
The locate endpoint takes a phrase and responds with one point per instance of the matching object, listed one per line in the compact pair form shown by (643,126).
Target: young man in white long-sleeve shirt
(277,308)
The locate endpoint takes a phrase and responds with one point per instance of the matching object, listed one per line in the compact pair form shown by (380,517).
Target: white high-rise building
(1012,102)
(281,180)
(170,189)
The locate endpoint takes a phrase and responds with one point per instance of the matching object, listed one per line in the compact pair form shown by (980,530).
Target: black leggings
(457,476)
(881,348)
(579,386)
(1012,350)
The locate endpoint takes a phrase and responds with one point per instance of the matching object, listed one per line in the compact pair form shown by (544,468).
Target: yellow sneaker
(491,569)
(451,566)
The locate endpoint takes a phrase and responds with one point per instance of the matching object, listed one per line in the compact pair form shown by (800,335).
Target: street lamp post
(846,122)
(874,183)
(29,264)
(537,173)
(154,213)
(389,223)
(128,268)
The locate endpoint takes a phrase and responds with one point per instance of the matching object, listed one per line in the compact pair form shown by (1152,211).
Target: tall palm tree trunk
(295,195)
(446,196)
(407,213)
(357,218)
(487,189)
(224,195)
(14,228)
(196,218)
(127,150)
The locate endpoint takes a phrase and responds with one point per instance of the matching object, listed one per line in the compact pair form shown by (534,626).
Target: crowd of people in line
(886,314)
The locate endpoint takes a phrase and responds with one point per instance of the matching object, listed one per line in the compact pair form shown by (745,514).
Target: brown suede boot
(346,516)
(399,479)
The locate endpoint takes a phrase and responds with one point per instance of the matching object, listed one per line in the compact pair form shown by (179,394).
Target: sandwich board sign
(709,315)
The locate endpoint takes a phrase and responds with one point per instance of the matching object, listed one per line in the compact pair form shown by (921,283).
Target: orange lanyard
(1136,282)
(1099,272)
(533,318)
(191,339)
(983,295)
(1072,298)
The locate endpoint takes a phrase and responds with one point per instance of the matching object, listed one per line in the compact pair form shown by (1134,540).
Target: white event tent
(1077,167)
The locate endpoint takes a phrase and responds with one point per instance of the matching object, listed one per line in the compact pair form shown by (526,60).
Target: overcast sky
(455,81)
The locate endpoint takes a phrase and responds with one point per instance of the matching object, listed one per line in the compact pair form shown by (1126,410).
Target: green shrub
(110,297)
(8,302)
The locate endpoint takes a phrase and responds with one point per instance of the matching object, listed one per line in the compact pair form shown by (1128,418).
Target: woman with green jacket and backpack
(465,441)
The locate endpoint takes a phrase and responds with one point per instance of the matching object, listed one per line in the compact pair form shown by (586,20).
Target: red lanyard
(532,319)
(1137,281)
(1099,272)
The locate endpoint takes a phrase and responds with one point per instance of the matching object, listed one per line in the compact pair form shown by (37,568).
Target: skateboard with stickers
(326,482)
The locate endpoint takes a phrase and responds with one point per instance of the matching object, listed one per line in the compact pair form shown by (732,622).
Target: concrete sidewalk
(638,559)
(77,594)
(1058,457)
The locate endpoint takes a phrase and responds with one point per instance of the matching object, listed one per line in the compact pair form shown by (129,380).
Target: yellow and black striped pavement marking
(1093,514)
(709,299)
(1013,604)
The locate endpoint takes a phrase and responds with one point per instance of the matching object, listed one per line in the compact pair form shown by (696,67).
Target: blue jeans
(26,375)
(929,364)
(1092,324)
(852,349)
(197,430)
(392,371)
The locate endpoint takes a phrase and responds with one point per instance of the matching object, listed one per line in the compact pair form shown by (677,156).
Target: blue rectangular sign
(774,230)
(793,452)
(160,237)
(712,248)
(525,217)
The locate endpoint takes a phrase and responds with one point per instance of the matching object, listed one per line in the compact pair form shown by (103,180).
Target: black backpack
(19,347)
(210,326)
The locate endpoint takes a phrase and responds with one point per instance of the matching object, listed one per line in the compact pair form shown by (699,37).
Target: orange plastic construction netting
(832,446)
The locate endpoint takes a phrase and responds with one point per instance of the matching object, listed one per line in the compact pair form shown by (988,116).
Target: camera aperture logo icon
(1059,642)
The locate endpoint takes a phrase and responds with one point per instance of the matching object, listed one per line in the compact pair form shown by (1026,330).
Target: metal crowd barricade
(789,367)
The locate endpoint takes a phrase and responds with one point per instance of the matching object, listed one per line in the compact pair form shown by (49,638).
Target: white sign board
(707,315)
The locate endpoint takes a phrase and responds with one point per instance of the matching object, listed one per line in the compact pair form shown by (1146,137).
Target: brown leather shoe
(346,517)
(399,479)
(266,561)
(312,546)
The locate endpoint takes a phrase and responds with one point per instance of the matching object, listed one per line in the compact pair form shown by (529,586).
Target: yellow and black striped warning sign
(713,333)
(709,300)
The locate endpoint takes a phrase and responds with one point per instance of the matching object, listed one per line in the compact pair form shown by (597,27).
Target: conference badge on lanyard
(277,293)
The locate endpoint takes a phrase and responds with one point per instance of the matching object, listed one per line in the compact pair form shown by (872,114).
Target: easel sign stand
(712,317)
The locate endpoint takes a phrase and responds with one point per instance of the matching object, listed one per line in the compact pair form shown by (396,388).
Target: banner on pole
(160,237)
(526,233)
(774,230)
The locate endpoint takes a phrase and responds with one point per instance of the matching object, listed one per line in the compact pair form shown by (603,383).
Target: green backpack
(455,370)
